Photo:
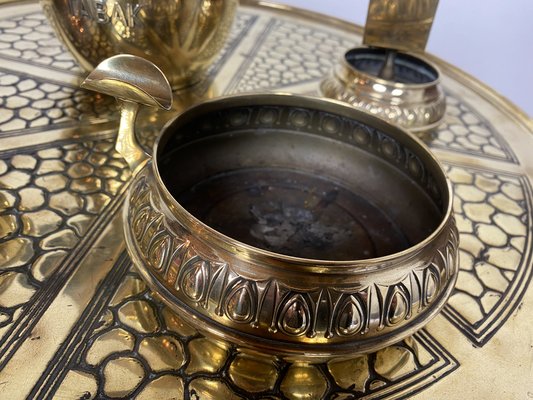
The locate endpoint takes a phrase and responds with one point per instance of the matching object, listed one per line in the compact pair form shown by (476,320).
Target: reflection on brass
(122,376)
(165,387)
(110,342)
(239,283)
(73,312)
(125,77)
(244,369)
(150,119)
(133,81)
(253,373)
(49,199)
(181,36)
(412,98)
(399,24)
(207,355)
(302,380)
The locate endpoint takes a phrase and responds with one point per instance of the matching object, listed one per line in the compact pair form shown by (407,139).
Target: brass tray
(76,321)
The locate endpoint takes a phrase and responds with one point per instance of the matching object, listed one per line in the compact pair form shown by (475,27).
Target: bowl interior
(301,181)
(408,69)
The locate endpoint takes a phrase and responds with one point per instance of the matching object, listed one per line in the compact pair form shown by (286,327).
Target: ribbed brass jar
(181,36)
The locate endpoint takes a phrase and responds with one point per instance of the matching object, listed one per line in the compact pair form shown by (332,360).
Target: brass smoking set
(304,227)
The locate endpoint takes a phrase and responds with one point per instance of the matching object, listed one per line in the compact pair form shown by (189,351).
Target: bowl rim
(270,259)
(354,72)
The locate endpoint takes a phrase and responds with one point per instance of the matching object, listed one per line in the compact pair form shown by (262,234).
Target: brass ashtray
(292,225)
(400,87)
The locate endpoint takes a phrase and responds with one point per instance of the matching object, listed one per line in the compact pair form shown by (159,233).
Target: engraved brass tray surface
(77,322)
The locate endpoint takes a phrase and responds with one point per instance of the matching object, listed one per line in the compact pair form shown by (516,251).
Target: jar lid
(399,24)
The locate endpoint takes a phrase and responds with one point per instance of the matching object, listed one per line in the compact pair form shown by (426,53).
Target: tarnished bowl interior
(399,87)
(407,68)
(302,182)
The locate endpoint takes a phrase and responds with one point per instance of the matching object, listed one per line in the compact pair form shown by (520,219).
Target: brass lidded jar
(389,76)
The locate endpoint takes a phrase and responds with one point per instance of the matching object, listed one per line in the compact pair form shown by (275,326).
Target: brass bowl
(181,36)
(292,225)
(412,99)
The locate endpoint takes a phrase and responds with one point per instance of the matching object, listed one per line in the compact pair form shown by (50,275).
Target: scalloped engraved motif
(239,117)
(240,301)
(450,256)
(295,316)
(406,116)
(431,285)
(268,115)
(415,167)
(193,278)
(140,221)
(159,250)
(321,311)
(362,135)
(331,124)
(299,117)
(397,305)
(351,317)
(447,259)
(389,147)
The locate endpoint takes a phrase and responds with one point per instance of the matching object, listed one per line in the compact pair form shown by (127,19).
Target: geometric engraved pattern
(281,57)
(27,102)
(493,212)
(58,200)
(137,348)
(34,103)
(466,132)
(30,38)
(49,198)
(241,25)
